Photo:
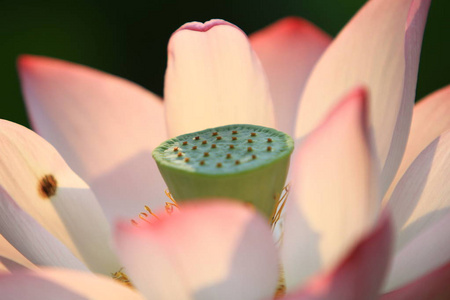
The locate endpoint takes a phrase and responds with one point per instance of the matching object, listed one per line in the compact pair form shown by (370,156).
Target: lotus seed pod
(231,168)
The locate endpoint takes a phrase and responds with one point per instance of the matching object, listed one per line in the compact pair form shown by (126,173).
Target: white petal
(430,119)
(333,200)
(214,78)
(422,196)
(423,254)
(31,239)
(210,250)
(433,285)
(288,50)
(54,284)
(105,128)
(358,276)
(379,48)
(41,183)
(12,260)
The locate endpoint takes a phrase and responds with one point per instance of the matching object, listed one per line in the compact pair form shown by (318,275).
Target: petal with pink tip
(333,200)
(57,284)
(433,286)
(210,250)
(288,50)
(12,260)
(105,128)
(40,182)
(430,119)
(31,239)
(380,48)
(359,275)
(429,250)
(422,196)
(214,78)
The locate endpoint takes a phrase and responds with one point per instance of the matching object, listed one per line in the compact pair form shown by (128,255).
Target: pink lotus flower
(349,104)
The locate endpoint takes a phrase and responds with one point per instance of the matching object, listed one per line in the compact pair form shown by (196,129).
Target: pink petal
(380,48)
(210,250)
(58,284)
(333,200)
(31,239)
(288,50)
(430,119)
(360,275)
(105,128)
(433,286)
(12,260)
(42,185)
(214,78)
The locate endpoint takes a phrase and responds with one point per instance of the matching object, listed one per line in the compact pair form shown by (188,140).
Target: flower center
(243,162)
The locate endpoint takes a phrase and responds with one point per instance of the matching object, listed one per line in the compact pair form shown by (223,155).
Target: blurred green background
(129,38)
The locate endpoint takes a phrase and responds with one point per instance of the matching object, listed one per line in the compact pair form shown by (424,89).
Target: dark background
(129,37)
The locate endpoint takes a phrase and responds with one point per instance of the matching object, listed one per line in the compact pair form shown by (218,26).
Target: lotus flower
(368,214)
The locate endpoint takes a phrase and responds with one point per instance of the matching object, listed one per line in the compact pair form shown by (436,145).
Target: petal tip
(353,104)
(204,27)
(26,61)
(293,24)
(29,62)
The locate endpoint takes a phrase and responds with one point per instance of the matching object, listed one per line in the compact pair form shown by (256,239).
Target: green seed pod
(231,168)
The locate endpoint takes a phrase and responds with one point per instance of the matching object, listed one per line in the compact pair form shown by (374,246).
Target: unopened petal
(213,78)
(379,48)
(105,128)
(333,200)
(210,250)
(288,50)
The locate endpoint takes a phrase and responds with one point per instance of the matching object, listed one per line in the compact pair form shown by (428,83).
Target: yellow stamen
(281,202)
(122,277)
(281,289)
(150,212)
(146,216)
(276,216)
